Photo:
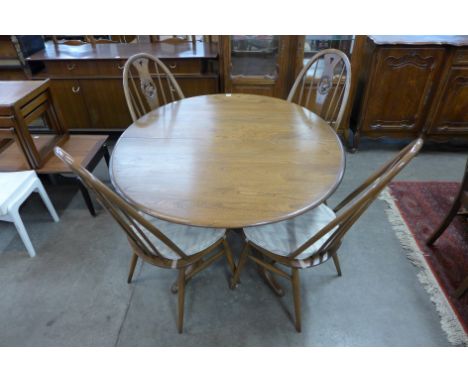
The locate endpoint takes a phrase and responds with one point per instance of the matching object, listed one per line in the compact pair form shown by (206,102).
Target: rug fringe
(448,319)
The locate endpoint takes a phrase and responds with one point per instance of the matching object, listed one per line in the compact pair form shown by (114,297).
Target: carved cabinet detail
(400,89)
(410,86)
(451,111)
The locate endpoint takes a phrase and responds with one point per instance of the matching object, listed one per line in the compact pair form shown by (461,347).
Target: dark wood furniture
(409,86)
(319,241)
(227,161)
(459,207)
(21,103)
(11,67)
(86,80)
(187,249)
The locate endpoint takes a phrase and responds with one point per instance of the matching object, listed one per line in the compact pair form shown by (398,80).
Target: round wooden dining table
(227,161)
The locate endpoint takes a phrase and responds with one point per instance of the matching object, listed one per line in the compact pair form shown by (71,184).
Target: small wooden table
(227,161)
(22,102)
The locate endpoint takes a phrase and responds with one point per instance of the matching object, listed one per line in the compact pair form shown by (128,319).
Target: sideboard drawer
(461,57)
(184,66)
(71,68)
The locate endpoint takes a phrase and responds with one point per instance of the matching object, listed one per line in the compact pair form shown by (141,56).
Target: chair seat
(10,183)
(286,236)
(189,239)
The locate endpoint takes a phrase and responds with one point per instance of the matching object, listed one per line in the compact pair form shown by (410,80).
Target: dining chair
(323,84)
(15,188)
(185,248)
(459,207)
(314,237)
(148,84)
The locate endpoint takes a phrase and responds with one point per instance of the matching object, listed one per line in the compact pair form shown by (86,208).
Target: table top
(11,92)
(124,51)
(227,161)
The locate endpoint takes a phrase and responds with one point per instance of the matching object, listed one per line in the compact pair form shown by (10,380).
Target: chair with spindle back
(323,84)
(160,243)
(148,84)
(315,236)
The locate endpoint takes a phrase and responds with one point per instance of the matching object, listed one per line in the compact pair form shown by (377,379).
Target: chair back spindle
(129,219)
(148,84)
(356,203)
(323,85)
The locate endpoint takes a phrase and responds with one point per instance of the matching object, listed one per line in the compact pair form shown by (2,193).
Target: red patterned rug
(415,211)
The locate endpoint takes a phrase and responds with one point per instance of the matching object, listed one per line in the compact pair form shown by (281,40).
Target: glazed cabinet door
(70,104)
(400,90)
(106,103)
(256,64)
(451,107)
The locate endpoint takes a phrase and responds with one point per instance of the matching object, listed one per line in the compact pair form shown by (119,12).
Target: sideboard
(86,80)
(409,86)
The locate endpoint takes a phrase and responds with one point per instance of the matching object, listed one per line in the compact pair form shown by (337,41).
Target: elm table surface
(227,161)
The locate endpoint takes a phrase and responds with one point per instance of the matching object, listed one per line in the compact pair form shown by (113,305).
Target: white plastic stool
(15,188)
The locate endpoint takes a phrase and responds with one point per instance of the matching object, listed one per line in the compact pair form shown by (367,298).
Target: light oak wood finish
(148,84)
(347,213)
(323,86)
(227,161)
(142,234)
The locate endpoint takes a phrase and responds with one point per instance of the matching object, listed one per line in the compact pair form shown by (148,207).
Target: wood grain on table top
(227,161)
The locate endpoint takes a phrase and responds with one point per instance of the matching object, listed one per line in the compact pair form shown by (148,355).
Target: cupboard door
(400,89)
(106,103)
(256,64)
(451,109)
(194,86)
(70,104)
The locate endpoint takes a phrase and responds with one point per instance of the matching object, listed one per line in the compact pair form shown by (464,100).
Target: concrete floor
(74,293)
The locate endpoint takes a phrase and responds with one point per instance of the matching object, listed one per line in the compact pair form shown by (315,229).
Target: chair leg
(228,253)
(462,288)
(133,263)
(445,223)
(47,202)
(297,298)
(242,260)
(105,152)
(87,199)
(181,298)
(22,232)
(336,261)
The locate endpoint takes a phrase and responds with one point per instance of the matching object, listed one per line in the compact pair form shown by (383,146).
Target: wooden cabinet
(400,89)
(70,104)
(450,114)
(87,84)
(101,97)
(409,87)
(257,64)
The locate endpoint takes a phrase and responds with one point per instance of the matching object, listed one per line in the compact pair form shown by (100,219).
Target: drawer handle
(71,66)
(173,66)
(75,89)
(121,67)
